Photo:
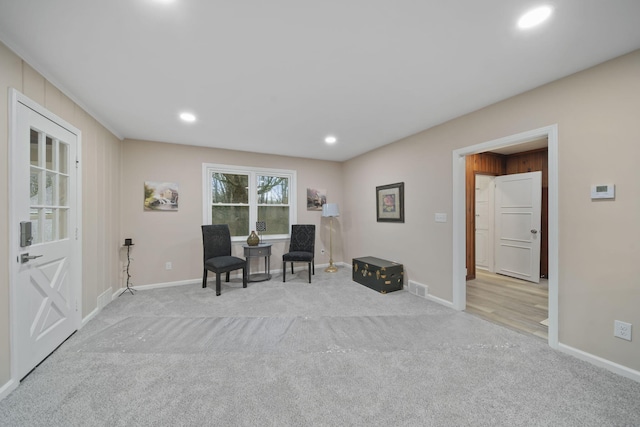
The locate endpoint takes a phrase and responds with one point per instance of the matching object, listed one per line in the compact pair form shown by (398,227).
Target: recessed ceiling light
(330,139)
(535,17)
(187,117)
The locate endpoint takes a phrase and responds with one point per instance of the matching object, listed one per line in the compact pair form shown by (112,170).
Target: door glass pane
(34,185)
(49,153)
(276,217)
(229,188)
(273,190)
(63,183)
(49,225)
(63,229)
(63,158)
(236,216)
(50,182)
(35,154)
(35,225)
(49,187)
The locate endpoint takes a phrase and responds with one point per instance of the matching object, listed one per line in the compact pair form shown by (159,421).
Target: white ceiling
(278,76)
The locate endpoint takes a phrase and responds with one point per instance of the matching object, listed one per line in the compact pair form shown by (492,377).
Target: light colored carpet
(329,353)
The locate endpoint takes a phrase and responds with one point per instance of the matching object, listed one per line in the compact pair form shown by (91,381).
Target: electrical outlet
(622,330)
(168,266)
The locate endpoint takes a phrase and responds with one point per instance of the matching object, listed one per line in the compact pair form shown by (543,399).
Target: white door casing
(518,209)
(45,191)
(484,221)
(458,271)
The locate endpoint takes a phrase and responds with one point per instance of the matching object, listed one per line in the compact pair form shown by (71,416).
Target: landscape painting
(160,196)
(315,199)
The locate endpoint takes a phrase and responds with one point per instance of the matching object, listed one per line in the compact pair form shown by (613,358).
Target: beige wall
(101,199)
(597,112)
(160,237)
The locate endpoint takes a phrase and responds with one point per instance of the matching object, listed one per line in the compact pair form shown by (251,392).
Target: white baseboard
(422,291)
(326,264)
(599,361)
(7,388)
(210,279)
(101,303)
(103,300)
(439,301)
(159,285)
(90,317)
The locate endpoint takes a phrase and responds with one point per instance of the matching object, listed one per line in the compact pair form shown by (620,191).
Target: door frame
(459,227)
(15,98)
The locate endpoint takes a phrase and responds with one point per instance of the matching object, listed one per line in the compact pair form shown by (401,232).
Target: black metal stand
(128,288)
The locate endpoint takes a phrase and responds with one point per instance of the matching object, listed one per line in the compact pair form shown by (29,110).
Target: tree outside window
(241,196)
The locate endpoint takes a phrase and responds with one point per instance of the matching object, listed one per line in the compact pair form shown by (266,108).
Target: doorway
(511,203)
(45,277)
(459,216)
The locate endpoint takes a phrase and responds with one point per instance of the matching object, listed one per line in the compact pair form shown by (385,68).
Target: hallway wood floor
(510,302)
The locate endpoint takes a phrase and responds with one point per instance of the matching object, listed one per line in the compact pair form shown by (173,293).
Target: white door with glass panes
(46,272)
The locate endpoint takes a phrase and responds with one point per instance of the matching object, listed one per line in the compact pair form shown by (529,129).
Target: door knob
(534,231)
(26,257)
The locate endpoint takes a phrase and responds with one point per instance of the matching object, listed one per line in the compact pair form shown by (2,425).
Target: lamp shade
(330,209)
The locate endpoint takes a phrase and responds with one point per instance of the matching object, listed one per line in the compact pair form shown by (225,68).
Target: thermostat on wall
(603,191)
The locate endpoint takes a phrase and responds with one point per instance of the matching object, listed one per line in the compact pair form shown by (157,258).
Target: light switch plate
(441,217)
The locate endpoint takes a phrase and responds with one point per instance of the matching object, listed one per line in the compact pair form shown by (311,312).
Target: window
(49,187)
(241,196)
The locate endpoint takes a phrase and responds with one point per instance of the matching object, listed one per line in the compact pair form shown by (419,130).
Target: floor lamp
(330,210)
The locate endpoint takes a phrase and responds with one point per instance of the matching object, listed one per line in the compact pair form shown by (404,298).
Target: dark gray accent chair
(301,248)
(216,242)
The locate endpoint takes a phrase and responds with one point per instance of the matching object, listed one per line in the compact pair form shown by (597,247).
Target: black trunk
(378,274)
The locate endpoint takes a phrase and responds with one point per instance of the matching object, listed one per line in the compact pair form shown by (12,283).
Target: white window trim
(208,168)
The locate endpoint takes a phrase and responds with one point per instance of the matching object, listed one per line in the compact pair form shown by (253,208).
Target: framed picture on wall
(315,199)
(160,196)
(390,203)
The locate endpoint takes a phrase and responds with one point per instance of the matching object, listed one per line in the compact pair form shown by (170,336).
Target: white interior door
(484,222)
(46,275)
(518,209)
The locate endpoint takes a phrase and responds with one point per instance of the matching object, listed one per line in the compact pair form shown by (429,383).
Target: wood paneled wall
(498,164)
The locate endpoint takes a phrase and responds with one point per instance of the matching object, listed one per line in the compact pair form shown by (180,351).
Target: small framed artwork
(160,196)
(315,199)
(390,202)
